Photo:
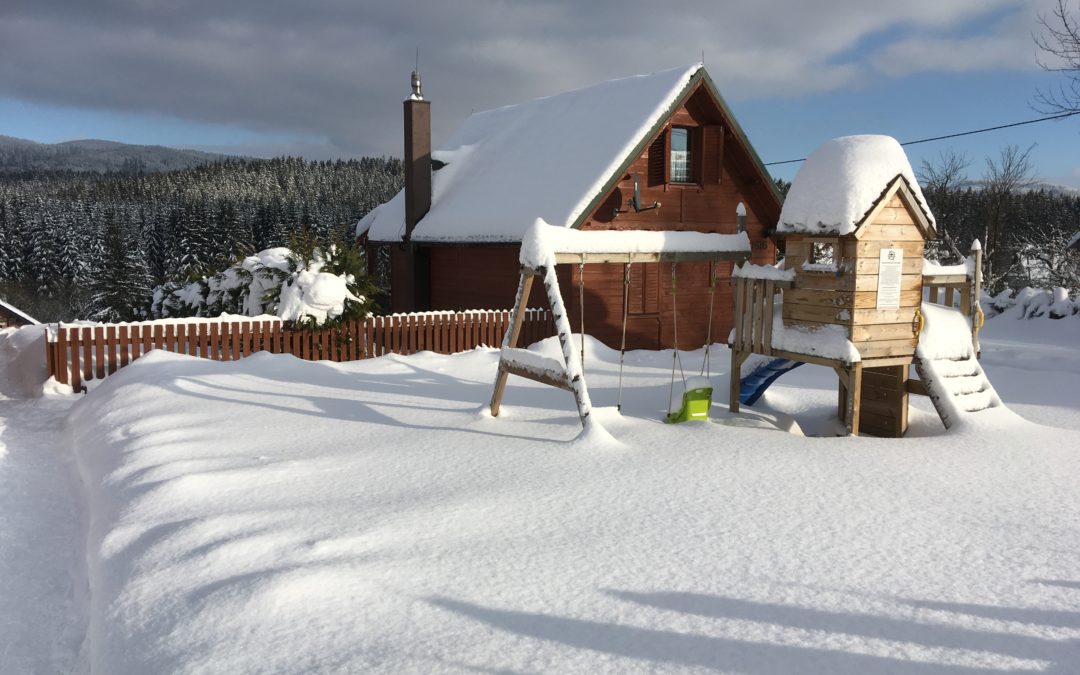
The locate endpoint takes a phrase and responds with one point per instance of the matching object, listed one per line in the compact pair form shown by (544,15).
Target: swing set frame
(569,374)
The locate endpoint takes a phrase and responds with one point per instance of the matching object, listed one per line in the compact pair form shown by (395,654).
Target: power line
(962,133)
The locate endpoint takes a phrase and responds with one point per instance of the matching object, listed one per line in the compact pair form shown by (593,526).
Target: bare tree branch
(1059,44)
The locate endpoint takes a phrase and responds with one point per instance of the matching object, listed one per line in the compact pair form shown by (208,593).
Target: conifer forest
(83,245)
(87,245)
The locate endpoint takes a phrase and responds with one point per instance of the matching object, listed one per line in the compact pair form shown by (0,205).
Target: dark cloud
(337,69)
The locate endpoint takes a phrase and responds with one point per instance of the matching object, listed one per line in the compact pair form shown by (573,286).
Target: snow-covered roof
(548,158)
(18,312)
(541,242)
(841,181)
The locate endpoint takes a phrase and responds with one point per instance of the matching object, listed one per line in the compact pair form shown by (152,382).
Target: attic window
(681,157)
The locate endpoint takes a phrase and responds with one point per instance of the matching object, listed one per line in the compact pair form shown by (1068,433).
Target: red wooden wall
(469,277)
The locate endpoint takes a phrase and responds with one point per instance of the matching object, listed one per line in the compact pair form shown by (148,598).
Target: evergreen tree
(121,282)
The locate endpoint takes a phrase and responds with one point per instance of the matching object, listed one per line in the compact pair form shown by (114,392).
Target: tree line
(93,246)
(1025,228)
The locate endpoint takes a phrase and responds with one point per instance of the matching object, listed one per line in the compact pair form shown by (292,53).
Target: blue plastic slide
(754,385)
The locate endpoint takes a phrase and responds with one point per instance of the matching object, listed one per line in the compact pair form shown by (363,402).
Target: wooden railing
(755,302)
(963,289)
(77,353)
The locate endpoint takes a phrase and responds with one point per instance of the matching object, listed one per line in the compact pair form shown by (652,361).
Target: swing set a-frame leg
(522,303)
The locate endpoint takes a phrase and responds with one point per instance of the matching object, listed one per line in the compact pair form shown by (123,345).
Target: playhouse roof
(841,182)
(550,158)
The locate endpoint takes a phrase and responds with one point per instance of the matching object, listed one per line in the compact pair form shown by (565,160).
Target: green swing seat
(696,401)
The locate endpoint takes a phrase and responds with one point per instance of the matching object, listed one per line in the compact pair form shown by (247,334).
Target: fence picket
(135,340)
(78,354)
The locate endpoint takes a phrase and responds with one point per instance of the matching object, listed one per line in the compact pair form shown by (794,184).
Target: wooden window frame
(694,143)
(811,242)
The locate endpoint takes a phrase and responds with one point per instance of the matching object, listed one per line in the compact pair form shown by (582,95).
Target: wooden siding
(884,402)
(849,297)
(479,277)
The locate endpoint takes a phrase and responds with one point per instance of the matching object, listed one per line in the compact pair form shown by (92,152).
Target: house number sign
(889,275)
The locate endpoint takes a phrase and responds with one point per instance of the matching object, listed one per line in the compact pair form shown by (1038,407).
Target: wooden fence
(77,353)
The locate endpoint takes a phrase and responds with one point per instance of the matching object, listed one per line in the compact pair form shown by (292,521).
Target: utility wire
(962,133)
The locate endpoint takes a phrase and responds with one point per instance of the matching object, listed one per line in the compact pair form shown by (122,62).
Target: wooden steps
(957,387)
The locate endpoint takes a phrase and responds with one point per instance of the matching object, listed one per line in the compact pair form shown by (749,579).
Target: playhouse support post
(522,303)
(850,395)
(854,394)
(737,358)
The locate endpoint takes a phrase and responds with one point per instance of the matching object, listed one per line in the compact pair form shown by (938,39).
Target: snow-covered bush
(1030,303)
(324,286)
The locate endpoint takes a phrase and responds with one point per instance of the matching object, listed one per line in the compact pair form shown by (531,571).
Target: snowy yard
(276,515)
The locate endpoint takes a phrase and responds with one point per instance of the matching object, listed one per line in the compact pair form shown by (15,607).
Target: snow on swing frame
(544,246)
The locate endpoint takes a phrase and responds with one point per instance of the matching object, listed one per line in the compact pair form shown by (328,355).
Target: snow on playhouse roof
(548,159)
(841,181)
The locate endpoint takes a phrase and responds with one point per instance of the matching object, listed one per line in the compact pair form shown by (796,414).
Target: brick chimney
(417,157)
(410,273)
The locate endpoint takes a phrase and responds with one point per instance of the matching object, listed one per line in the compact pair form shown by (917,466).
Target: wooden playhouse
(853,230)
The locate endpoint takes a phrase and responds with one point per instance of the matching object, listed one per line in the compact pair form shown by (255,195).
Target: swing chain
(706,365)
(675,358)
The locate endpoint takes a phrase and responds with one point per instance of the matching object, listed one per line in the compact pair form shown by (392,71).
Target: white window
(681,157)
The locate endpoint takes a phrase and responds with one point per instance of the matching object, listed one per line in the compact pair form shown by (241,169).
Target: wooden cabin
(657,152)
(854,230)
(13,317)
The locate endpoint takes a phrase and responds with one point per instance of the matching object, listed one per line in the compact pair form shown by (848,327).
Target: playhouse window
(681,157)
(822,253)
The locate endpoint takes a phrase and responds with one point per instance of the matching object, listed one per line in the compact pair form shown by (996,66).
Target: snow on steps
(948,366)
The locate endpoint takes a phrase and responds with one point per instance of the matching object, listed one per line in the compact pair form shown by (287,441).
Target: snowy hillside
(287,516)
(17,154)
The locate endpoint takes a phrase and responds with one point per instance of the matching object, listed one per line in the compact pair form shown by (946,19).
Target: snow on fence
(77,353)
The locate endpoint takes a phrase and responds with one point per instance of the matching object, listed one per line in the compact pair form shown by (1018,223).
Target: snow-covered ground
(275,515)
(42,576)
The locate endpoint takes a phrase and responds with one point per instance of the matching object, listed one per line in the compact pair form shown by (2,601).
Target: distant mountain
(17,154)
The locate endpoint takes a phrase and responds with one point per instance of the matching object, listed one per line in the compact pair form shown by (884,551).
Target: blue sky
(325,78)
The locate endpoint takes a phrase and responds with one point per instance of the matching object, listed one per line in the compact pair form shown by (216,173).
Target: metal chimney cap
(416,95)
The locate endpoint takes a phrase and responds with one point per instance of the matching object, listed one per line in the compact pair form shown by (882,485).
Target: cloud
(1008,46)
(337,69)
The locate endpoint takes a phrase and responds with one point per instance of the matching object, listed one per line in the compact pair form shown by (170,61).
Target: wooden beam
(957,280)
(548,377)
(854,396)
(734,379)
(647,257)
(917,387)
(522,303)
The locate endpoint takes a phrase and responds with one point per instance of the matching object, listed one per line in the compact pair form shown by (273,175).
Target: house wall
(480,277)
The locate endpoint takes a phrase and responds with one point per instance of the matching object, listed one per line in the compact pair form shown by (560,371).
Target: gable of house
(562,158)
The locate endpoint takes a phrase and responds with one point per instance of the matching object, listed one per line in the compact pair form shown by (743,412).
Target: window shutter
(658,160)
(713,150)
